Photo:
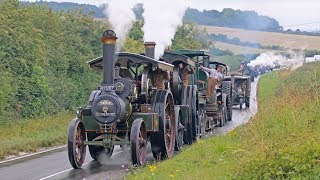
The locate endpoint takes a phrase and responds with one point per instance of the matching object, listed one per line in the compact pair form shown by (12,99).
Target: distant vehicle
(241,90)
(317,57)
(310,59)
(249,71)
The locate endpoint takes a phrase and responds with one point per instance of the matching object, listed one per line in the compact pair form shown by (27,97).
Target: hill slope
(268,38)
(240,49)
(280,142)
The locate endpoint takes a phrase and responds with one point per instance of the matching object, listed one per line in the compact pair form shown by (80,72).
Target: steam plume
(161,20)
(121,17)
(270,58)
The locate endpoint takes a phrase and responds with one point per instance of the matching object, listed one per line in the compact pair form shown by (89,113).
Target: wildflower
(171,175)
(152,169)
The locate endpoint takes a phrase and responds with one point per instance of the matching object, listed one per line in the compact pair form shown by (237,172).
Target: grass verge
(30,135)
(281,141)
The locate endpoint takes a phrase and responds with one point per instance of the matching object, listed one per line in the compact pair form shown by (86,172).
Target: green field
(281,141)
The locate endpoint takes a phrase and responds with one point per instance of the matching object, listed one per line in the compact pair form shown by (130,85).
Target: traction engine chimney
(150,49)
(108,40)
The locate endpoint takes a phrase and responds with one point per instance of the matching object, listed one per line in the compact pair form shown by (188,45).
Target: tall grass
(281,141)
(30,135)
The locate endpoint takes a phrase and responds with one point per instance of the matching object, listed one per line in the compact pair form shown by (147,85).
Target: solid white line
(55,174)
(33,154)
(47,177)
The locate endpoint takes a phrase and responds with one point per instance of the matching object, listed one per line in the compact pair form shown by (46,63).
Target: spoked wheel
(163,141)
(76,147)
(138,142)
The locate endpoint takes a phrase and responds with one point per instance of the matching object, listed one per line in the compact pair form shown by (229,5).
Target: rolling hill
(264,38)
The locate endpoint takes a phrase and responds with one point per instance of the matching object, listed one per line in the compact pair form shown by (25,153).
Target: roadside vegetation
(281,141)
(29,135)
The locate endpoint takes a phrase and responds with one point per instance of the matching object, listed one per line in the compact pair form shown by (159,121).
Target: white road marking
(55,174)
(32,154)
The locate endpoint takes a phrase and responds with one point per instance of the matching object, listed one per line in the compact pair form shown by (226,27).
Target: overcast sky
(287,12)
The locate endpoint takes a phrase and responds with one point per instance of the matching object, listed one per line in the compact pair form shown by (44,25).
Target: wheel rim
(79,147)
(169,125)
(142,145)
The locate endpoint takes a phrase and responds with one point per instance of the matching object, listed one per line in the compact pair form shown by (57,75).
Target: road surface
(56,165)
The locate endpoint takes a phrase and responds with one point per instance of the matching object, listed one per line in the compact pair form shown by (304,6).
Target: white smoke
(270,59)
(267,59)
(161,20)
(121,17)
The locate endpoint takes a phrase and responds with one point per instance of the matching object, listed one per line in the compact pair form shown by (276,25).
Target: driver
(215,76)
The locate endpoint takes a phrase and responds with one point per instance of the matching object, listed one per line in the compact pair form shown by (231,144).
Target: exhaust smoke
(121,17)
(161,20)
(270,59)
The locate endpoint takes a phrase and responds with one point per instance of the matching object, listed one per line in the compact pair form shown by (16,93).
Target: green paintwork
(88,120)
(192,53)
(151,120)
(108,140)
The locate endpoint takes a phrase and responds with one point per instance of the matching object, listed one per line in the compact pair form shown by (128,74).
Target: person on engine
(215,76)
(185,72)
(160,78)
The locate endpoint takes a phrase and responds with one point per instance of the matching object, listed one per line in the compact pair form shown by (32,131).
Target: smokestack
(150,49)
(108,40)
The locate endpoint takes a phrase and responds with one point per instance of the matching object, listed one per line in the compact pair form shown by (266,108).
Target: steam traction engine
(127,109)
(218,110)
(185,94)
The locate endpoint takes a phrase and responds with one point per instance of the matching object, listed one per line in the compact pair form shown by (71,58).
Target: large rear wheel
(163,141)
(138,142)
(76,147)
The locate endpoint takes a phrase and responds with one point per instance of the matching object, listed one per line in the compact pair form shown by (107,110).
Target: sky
(287,12)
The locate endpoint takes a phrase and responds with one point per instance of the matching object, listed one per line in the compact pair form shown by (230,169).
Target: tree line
(226,18)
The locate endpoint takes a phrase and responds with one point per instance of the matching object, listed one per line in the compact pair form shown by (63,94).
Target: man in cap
(215,76)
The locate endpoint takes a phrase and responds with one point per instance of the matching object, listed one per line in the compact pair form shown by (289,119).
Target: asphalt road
(56,165)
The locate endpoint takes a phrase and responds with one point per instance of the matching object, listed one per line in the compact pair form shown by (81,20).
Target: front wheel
(138,142)
(76,147)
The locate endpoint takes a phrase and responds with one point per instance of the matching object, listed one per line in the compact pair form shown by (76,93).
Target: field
(240,49)
(269,38)
(280,142)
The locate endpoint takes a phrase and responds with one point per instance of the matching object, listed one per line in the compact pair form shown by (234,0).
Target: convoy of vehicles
(143,100)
